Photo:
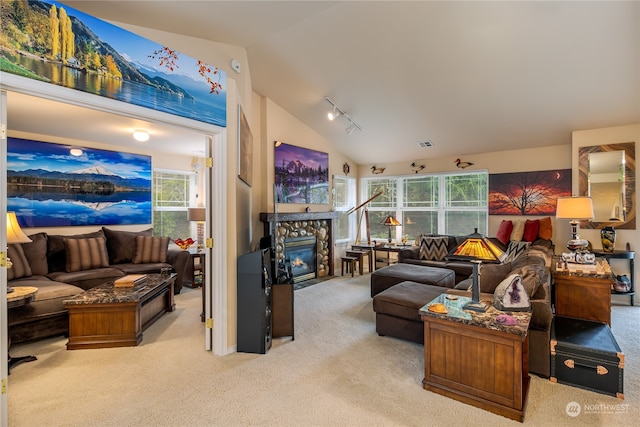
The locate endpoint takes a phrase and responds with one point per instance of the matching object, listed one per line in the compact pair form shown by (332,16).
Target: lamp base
(476,306)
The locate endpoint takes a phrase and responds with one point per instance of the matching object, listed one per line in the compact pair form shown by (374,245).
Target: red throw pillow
(504,232)
(531,230)
(546,229)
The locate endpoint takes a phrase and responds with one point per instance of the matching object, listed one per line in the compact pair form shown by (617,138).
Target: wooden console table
(106,316)
(469,357)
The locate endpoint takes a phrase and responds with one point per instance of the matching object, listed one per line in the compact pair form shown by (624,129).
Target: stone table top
(484,320)
(21,293)
(107,293)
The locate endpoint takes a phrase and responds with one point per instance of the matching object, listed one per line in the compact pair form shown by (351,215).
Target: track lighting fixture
(336,112)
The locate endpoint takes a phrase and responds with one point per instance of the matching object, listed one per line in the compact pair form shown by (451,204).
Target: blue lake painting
(49,187)
(69,48)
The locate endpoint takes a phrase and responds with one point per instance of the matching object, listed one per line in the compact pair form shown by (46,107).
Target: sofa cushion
(86,254)
(515,249)
(531,227)
(56,252)
(36,253)
(434,248)
(20,267)
(491,275)
(86,279)
(504,231)
(518,231)
(151,249)
(545,231)
(121,245)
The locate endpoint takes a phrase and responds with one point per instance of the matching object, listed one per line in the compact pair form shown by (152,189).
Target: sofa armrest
(541,315)
(179,260)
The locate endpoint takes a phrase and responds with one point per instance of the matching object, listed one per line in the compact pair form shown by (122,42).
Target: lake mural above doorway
(47,186)
(54,43)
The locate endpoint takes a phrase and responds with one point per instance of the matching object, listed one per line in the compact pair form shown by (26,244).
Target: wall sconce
(337,112)
(416,168)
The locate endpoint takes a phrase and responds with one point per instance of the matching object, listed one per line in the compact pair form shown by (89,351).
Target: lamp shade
(476,247)
(197,214)
(14,232)
(574,207)
(391,221)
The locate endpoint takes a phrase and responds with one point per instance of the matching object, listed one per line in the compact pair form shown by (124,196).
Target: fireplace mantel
(297,216)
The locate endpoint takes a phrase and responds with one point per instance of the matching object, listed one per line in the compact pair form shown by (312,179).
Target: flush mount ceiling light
(140,135)
(337,112)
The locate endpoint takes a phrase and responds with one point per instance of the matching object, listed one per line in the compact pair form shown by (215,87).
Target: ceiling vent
(425,144)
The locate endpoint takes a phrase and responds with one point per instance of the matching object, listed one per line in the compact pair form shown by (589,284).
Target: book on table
(129,280)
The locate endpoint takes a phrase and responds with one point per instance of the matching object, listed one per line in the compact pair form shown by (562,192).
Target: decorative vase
(608,237)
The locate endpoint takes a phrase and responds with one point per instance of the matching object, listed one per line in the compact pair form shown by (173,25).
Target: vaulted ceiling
(469,76)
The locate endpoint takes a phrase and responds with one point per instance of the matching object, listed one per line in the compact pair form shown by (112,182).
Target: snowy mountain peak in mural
(54,43)
(48,187)
(94,170)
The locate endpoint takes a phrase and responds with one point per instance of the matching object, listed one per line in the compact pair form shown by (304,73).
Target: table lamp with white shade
(14,235)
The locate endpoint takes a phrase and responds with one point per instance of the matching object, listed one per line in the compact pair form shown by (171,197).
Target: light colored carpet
(337,372)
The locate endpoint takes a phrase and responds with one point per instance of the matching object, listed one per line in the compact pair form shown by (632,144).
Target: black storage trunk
(585,354)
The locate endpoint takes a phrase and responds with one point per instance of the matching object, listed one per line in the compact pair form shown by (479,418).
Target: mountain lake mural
(301,175)
(49,187)
(54,43)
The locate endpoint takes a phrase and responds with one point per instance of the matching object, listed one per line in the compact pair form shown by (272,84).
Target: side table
(628,255)
(20,296)
(470,357)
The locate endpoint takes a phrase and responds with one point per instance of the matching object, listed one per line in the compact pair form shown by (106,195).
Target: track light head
(333,114)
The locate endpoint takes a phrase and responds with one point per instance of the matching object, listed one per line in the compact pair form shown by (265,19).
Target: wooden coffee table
(470,357)
(106,316)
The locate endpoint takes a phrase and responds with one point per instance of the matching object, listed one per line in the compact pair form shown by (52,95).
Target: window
(453,204)
(344,198)
(173,192)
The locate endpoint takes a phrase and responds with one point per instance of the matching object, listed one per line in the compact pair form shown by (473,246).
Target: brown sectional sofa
(51,264)
(397,306)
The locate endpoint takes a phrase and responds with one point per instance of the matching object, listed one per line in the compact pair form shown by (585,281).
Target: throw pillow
(545,231)
(515,249)
(491,275)
(86,254)
(504,232)
(433,248)
(518,231)
(36,254)
(121,245)
(151,249)
(56,251)
(20,266)
(530,230)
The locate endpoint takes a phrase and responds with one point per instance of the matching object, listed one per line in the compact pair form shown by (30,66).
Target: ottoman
(390,275)
(398,309)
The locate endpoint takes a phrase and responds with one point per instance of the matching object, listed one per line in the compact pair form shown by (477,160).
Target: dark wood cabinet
(583,297)
(254,302)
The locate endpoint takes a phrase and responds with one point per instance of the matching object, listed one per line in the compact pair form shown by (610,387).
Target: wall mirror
(607,174)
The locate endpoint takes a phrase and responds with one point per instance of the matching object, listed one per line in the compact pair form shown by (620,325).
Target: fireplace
(302,254)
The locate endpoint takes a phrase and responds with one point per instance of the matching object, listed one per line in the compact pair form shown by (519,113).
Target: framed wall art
(301,175)
(48,186)
(528,193)
(245,148)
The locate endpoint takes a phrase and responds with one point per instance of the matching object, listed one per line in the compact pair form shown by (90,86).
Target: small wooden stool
(360,256)
(349,262)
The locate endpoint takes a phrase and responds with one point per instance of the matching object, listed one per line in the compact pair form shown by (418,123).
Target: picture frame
(528,193)
(301,175)
(245,148)
(47,186)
